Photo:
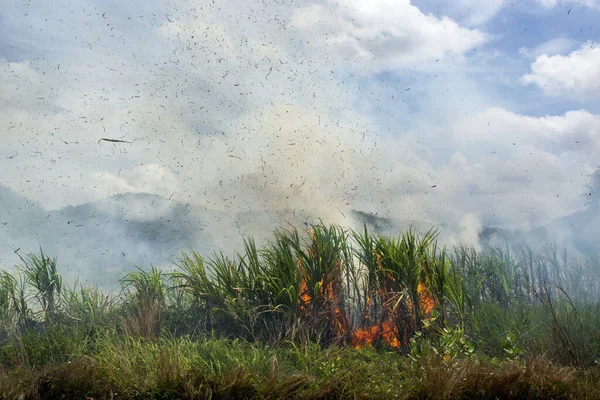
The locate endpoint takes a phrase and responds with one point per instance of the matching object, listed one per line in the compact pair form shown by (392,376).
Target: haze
(235,118)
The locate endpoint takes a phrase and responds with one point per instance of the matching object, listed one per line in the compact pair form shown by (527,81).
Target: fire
(425,300)
(304,296)
(328,302)
(386,332)
(388,317)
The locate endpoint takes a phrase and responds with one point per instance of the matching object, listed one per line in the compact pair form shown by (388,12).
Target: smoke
(240,120)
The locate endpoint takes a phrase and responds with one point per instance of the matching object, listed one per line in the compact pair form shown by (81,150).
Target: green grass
(288,320)
(136,368)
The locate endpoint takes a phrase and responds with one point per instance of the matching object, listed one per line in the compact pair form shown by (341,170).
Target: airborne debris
(113,140)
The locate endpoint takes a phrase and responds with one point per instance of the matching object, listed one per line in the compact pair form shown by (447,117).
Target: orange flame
(386,332)
(304,296)
(383,328)
(425,299)
(332,305)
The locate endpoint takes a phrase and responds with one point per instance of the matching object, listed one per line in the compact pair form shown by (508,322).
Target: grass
(136,368)
(326,313)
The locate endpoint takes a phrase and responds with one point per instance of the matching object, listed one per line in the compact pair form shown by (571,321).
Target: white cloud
(499,129)
(150,178)
(385,34)
(479,12)
(553,3)
(467,12)
(531,168)
(550,47)
(576,74)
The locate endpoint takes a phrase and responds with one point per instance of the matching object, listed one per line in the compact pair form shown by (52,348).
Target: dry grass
(476,379)
(215,369)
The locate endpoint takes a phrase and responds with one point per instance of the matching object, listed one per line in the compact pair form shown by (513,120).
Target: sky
(463,114)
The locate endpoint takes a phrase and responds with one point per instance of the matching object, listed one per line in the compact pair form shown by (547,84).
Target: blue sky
(306,106)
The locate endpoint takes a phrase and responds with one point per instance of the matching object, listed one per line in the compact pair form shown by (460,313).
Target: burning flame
(425,300)
(329,301)
(386,332)
(304,296)
(381,328)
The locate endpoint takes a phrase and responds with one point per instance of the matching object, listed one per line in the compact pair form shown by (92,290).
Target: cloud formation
(576,74)
(385,34)
(264,114)
(478,12)
(559,45)
(554,3)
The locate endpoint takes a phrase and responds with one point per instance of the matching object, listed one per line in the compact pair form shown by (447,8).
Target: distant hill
(105,238)
(580,230)
(102,240)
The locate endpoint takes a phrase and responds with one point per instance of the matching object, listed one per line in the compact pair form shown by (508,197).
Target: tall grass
(303,294)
